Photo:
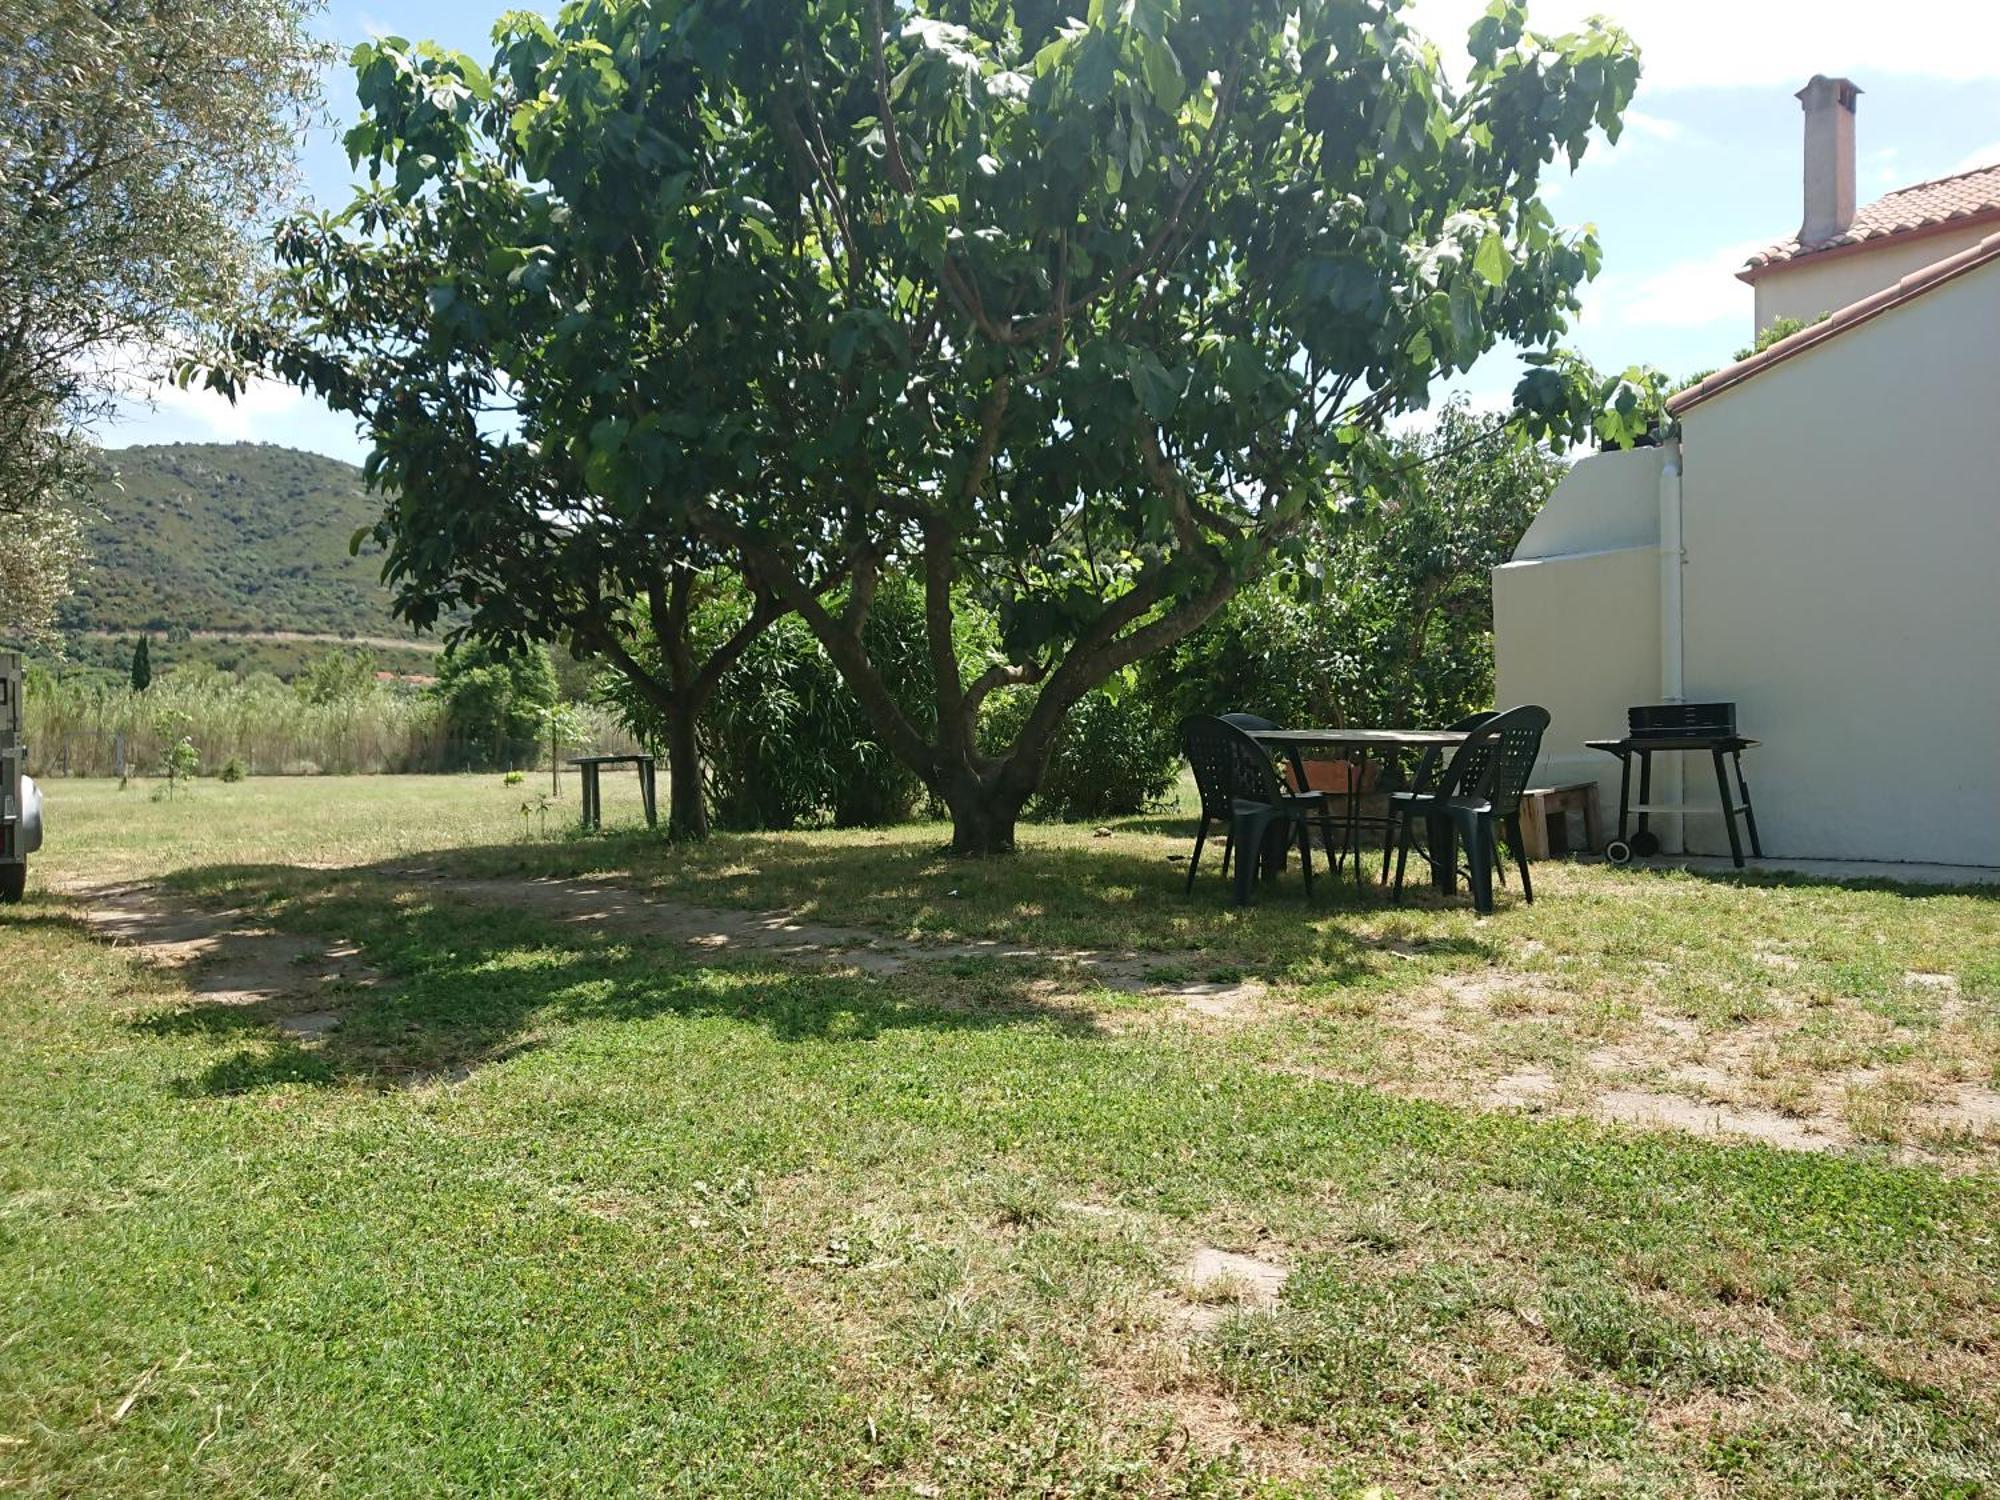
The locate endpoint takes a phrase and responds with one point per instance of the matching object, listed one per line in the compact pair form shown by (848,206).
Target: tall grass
(77,725)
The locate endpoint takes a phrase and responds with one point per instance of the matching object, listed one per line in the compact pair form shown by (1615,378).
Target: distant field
(283,655)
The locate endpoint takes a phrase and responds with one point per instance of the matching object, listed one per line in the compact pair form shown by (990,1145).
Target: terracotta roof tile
(1926,205)
(1911,286)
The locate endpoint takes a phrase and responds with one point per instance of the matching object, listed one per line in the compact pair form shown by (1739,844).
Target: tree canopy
(141,144)
(1080,318)
(1388,618)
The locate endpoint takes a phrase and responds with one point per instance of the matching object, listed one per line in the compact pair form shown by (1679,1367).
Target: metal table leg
(1749,812)
(1729,810)
(1624,792)
(1645,790)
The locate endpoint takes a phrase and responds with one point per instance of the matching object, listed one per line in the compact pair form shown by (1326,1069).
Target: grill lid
(1693,720)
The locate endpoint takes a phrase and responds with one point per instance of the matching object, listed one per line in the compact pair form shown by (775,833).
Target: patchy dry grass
(1814,1015)
(365,1180)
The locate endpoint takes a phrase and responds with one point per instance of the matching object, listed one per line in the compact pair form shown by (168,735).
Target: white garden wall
(1576,614)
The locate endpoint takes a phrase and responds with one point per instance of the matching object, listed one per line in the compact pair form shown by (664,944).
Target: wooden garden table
(593,793)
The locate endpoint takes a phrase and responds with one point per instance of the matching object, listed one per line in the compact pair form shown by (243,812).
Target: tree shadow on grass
(461,986)
(475,948)
(1056,895)
(1760,877)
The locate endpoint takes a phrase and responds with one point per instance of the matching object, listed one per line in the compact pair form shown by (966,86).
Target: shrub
(495,702)
(233,770)
(336,675)
(784,744)
(784,741)
(1116,753)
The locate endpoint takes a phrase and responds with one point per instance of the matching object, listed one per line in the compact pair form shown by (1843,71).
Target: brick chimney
(1829,107)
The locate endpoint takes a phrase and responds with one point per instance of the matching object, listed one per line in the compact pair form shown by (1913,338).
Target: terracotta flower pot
(1334,776)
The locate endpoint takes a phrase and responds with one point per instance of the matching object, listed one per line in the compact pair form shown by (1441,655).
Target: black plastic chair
(1480,791)
(1240,789)
(1332,832)
(1423,783)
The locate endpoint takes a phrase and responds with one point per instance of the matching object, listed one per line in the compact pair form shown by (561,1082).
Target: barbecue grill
(1679,727)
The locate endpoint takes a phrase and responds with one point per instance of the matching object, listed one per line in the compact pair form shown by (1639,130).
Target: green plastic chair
(1240,790)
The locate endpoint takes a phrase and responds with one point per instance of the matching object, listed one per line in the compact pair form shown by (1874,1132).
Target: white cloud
(1656,128)
(256,415)
(1878,168)
(1692,293)
(1985,156)
(1761,43)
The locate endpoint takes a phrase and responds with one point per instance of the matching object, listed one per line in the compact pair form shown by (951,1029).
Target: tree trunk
(982,817)
(687,813)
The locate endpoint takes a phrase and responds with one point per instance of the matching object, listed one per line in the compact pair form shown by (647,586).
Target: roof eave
(1758,270)
(1912,286)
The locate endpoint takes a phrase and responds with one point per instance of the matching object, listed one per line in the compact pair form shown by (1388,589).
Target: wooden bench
(1541,804)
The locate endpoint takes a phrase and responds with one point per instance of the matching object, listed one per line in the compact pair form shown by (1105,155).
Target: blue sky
(1707,171)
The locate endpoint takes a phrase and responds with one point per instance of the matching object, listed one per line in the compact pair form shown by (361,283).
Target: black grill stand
(1678,727)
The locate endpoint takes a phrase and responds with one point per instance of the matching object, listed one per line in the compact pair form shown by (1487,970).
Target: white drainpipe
(1667,786)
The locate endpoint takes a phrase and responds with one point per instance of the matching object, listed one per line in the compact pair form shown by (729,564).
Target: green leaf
(1095,68)
(1163,74)
(1491,260)
(600,471)
(1159,392)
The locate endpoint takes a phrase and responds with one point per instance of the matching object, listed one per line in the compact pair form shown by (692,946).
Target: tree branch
(996,677)
(763,612)
(844,645)
(892,142)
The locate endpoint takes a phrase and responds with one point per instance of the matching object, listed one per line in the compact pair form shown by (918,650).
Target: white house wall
(1576,615)
(1811,288)
(1842,531)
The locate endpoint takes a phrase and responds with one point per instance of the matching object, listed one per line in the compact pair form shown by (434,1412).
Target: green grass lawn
(564,1208)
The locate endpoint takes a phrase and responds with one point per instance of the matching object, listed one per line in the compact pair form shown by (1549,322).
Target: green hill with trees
(229,536)
(198,544)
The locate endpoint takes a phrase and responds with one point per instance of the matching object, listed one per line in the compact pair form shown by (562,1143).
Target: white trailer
(20,798)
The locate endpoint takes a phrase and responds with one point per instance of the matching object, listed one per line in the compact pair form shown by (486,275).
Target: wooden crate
(1547,810)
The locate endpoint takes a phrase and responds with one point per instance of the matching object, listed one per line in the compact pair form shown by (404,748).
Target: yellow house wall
(1816,286)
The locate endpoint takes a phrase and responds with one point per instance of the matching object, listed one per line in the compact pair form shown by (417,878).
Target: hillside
(243,536)
(206,539)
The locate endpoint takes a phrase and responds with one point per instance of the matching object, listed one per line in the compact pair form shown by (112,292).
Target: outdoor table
(593,797)
(1355,745)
